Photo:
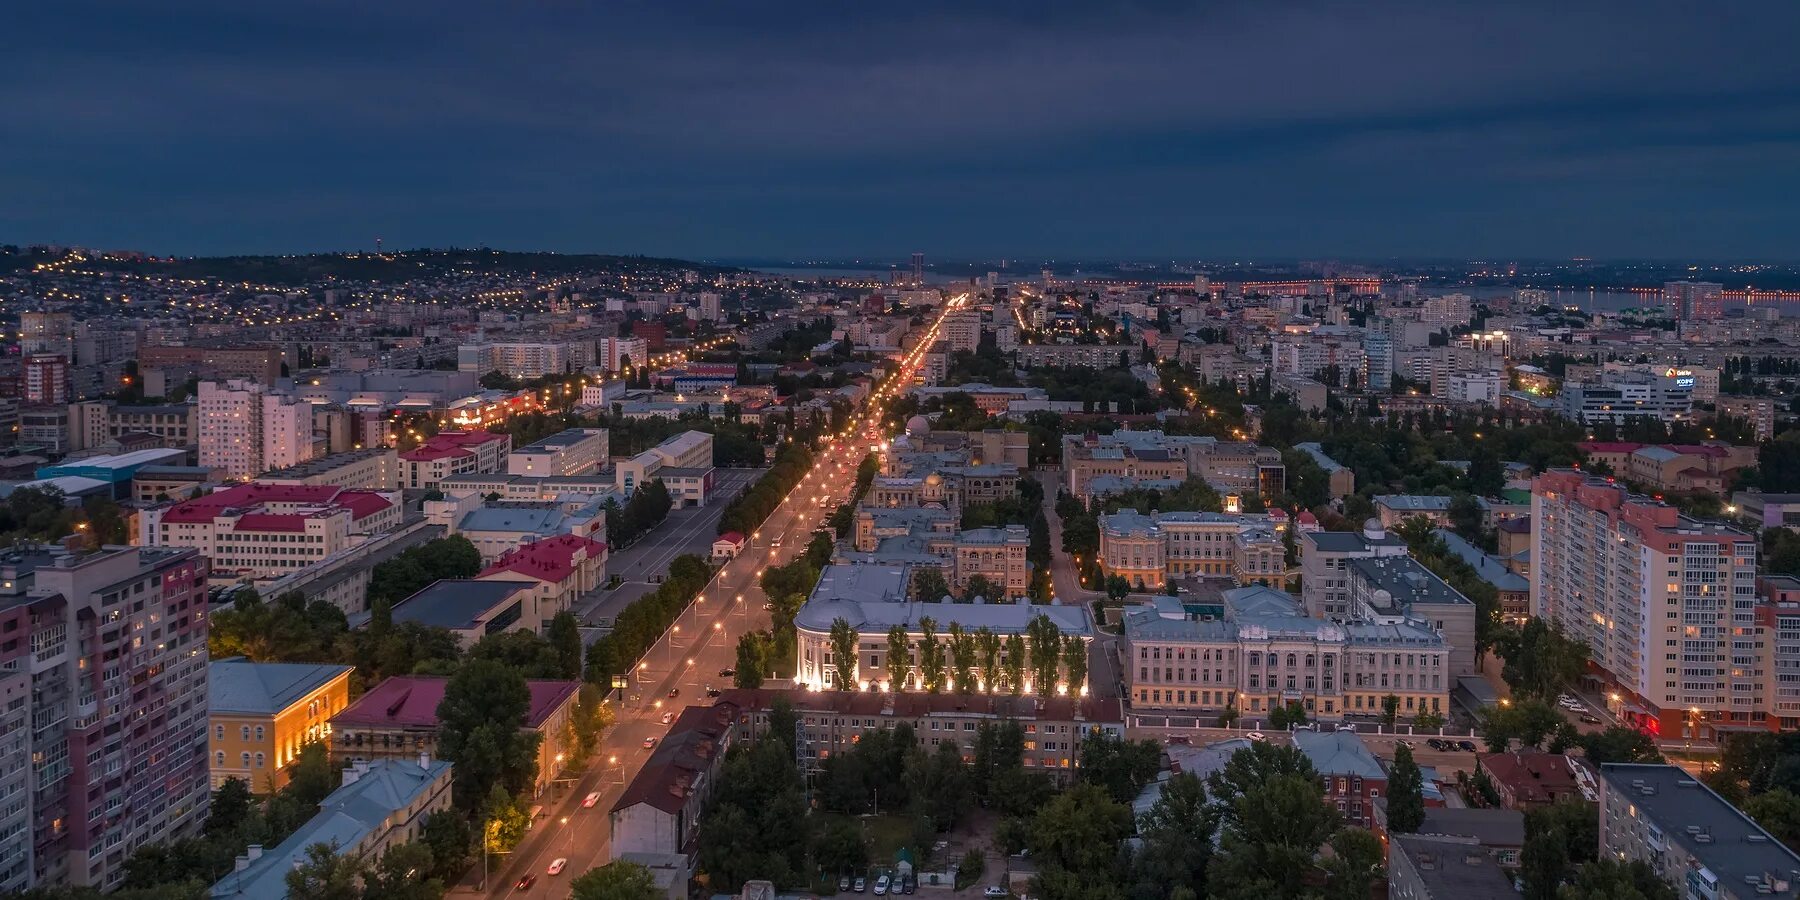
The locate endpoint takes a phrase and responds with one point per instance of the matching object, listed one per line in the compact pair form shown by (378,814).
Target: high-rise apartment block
(1666,604)
(245,429)
(1692,301)
(103,719)
(46,379)
(47,332)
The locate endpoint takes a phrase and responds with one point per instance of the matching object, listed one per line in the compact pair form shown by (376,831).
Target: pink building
(453,453)
(562,568)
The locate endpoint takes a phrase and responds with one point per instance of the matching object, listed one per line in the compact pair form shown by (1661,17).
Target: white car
(668,717)
(557,865)
(860,884)
(589,801)
(881,885)
(1254,735)
(994,890)
(1346,726)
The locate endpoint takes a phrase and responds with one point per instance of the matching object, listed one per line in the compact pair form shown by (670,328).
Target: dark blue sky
(1308,129)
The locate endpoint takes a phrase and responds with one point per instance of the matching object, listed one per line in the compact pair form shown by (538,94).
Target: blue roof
(539,520)
(456,603)
(1486,566)
(237,685)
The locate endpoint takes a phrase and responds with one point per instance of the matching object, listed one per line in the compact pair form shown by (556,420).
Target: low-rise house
(659,811)
(397,719)
(1531,778)
(380,805)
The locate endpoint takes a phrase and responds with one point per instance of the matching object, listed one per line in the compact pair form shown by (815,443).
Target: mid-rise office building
(262,714)
(577,451)
(1622,396)
(452,453)
(104,725)
(519,359)
(267,530)
(1148,550)
(373,469)
(1324,564)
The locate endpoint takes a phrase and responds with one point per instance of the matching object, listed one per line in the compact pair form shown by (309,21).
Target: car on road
(1254,735)
(557,865)
(994,890)
(881,885)
(1589,719)
(649,742)
(589,801)
(525,883)
(1466,746)
(668,717)
(712,692)
(727,673)
(674,692)
(860,884)
(1403,742)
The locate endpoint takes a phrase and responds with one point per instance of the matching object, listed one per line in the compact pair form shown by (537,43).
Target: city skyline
(1121,131)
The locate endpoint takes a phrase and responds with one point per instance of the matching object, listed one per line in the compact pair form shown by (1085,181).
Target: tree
(403,873)
(1619,744)
(1177,832)
(322,874)
(564,635)
(1046,652)
(1117,587)
(448,837)
(1121,767)
(1558,837)
(1778,812)
(962,659)
(1075,663)
(929,586)
(1543,864)
(931,655)
(843,655)
(1527,721)
(899,660)
(1074,841)
(840,846)
(1390,710)
(752,656)
(1428,720)
(938,784)
(1355,864)
(232,804)
(1253,767)
(1540,659)
(615,881)
(1611,879)
(1270,836)
(1406,799)
(484,705)
(979,586)
(1012,665)
(1282,718)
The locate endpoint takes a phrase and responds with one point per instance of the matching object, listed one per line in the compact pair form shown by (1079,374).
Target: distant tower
(918,268)
(378,246)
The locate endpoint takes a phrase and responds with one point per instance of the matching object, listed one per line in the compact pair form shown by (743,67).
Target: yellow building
(262,713)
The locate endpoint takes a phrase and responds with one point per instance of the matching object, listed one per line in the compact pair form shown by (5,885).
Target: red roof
(1608,446)
(732,537)
(551,559)
(253,497)
(1306,517)
(411,701)
(448,444)
(271,522)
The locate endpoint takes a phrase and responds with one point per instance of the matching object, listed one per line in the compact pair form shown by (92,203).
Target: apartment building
(1342,480)
(1085,356)
(1700,844)
(1397,590)
(834,721)
(576,451)
(962,330)
(258,364)
(104,724)
(94,422)
(1265,653)
(1623,396)
(372,469)
(244,429)
(1393,509)
(659,811)
(1665,603)
(520,359)
(1324,564)
(45,379)
(266,530)
(1148,550)
(452,453)
(379,805)
(261,714)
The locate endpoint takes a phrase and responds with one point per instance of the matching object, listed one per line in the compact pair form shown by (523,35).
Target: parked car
(1346,726)
(860,884)
(525,883)
(557,865)
(1254,735)
(1590,719)
(908,882)
(994,890)
(712,692)
(1436,744)
(1466,746)
(727,673)
(881,886)
(1403,742)
(843,882)
(589,801)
